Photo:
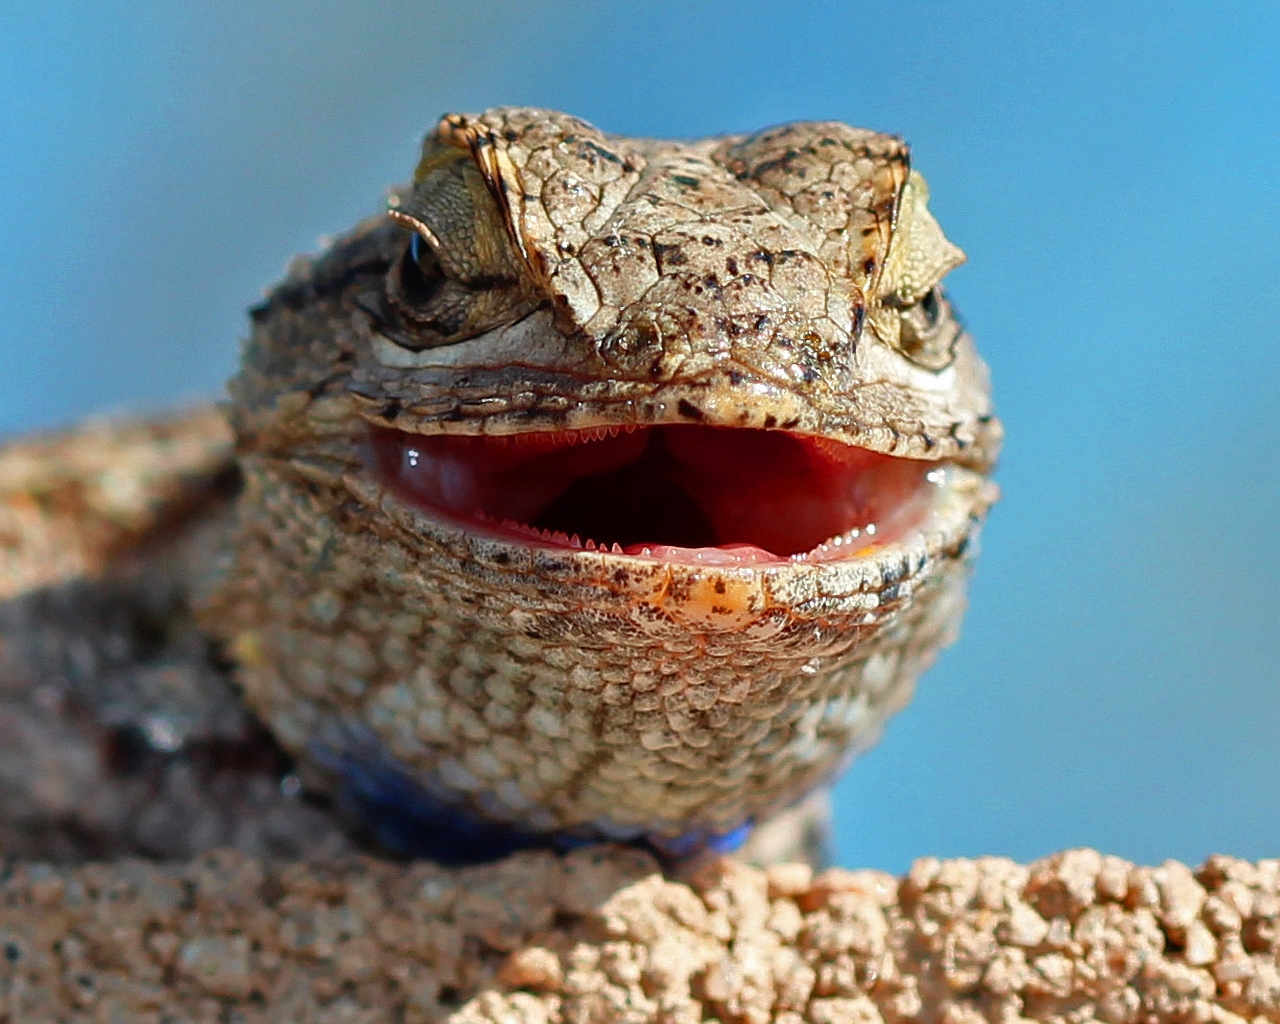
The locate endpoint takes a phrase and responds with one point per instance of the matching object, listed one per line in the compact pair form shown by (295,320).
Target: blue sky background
(1111,170)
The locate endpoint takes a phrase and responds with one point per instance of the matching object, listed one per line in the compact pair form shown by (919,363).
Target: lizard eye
(420,275)
(434,308)
(929,331)
(425,296)
(457,275)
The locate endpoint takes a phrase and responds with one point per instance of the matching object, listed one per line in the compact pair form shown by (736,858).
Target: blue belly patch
(406,820)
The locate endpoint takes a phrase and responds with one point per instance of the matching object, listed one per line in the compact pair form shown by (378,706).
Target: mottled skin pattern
(785,280)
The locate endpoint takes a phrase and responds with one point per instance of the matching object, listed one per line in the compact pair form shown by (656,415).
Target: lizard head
(578,390)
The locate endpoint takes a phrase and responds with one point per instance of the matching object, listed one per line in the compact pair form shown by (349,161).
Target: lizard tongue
(678,493)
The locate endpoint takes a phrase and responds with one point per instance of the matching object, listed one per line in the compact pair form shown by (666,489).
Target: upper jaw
(533,378)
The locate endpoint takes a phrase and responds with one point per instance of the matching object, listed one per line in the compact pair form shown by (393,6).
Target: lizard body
(607,489)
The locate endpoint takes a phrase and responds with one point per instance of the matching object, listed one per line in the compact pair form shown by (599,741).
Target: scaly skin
(576,281)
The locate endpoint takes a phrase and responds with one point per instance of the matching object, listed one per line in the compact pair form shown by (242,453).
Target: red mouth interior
(672,492)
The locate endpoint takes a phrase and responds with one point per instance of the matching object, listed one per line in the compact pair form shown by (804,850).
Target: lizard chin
(673,493)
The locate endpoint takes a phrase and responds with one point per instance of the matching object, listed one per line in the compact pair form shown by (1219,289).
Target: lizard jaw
(687,494)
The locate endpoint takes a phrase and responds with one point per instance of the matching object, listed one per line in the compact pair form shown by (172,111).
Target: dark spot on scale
(869,266)
(782,163)
(764,256)
(791,423)
(731,265)
(709,240)
(547,419)
(735,378)
(669,256)
(688,181)
(859,317)
(391,410)
(502,558)
(510,135)
(770,422)
(621,576)
(592,152)
(613,241)
(719,587)
(690,411)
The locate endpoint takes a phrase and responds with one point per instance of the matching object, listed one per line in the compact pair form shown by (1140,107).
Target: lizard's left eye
(929,331)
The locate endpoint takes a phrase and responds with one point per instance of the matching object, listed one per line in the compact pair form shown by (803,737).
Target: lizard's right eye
(438,306)
(420,274)
(457,275)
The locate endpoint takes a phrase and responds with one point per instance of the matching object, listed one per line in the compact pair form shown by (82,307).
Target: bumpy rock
(603,935)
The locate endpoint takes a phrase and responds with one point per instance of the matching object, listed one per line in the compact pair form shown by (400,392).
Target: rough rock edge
(601,935)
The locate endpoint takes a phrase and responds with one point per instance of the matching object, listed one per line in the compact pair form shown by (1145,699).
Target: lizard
(600,489)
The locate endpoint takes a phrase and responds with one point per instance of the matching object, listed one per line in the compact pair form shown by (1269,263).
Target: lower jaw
(856,543)
(489,606)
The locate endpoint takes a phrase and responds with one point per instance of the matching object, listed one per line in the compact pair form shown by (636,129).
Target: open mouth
(683,493)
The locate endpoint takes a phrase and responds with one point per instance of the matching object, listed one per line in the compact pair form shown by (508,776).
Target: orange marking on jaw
(713,602)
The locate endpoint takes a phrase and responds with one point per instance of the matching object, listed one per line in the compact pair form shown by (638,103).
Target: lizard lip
(676,493)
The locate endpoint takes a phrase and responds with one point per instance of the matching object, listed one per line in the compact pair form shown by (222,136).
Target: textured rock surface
(602,936)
